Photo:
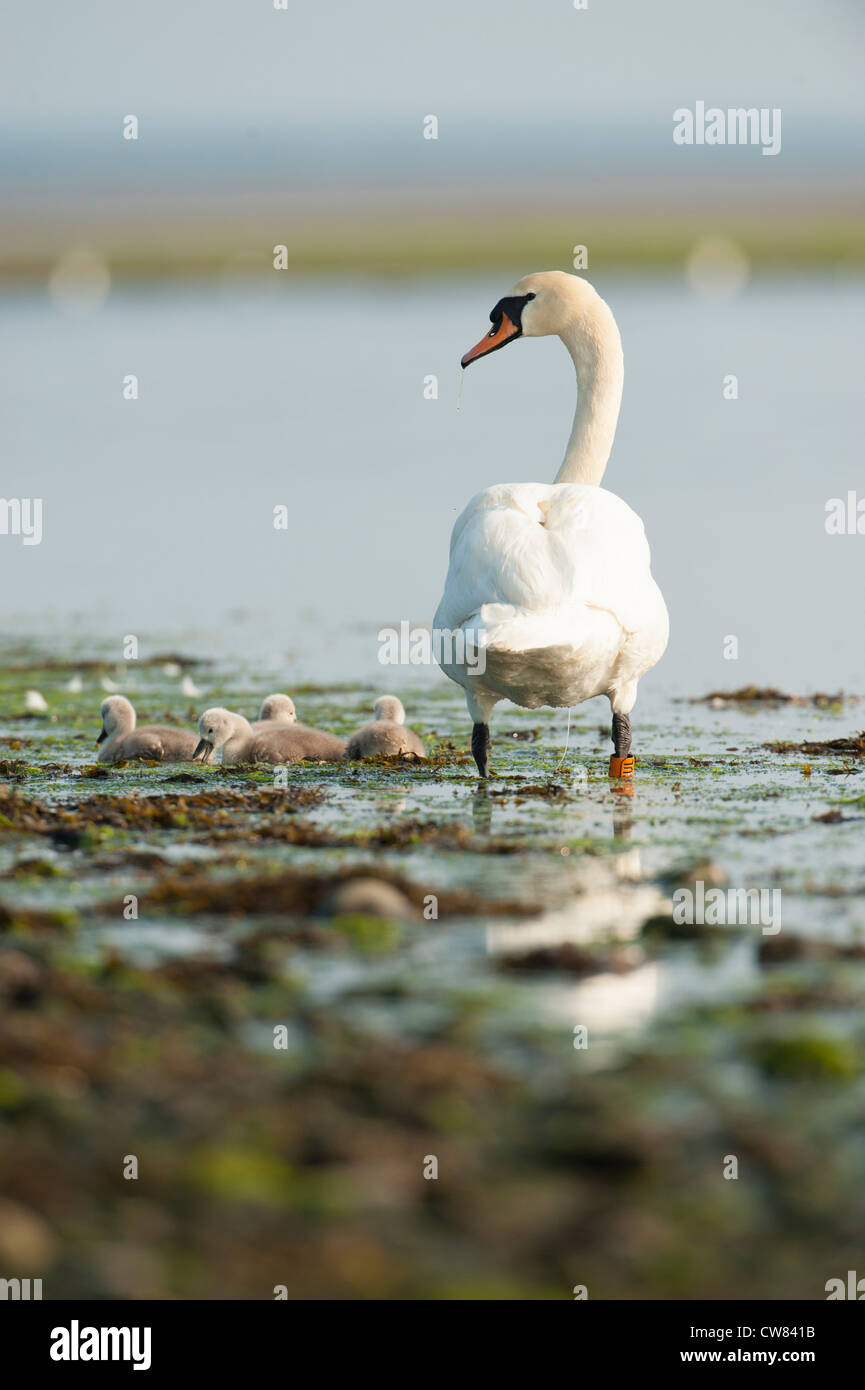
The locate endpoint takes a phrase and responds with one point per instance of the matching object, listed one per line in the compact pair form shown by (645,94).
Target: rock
(20,977)
(26,1241)
(777,950)
(704,871)
(368,897)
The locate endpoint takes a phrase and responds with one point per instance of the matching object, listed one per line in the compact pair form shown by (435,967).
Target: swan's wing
(535,559)
(145,745)
(383,736)
(499,554)
(292,743)
(163,744)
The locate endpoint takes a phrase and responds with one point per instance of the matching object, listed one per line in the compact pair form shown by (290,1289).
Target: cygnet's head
(548,302)
(216,727)
(279,708)
(390,708)
(118,716)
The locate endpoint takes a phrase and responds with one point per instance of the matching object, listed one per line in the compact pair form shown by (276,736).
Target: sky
(70,69)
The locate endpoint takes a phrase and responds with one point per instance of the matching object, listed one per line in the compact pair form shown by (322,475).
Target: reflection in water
(609,908)
(482,813)
(482,810)
(622,1001)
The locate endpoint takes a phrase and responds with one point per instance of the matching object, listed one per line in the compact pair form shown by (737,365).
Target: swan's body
(278,715)
(551,582)
(282,743)
(120,740)
(387,734)
(296,744)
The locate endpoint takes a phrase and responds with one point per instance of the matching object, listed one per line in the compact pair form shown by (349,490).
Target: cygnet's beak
(102,737)
(204,752)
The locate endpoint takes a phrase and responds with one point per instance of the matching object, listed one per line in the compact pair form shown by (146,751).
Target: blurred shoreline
(371,199)
(185,242)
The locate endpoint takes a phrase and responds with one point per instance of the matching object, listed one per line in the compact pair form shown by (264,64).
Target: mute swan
(284,743)
(157,743)
(386,734)
(552,580)
(276,709)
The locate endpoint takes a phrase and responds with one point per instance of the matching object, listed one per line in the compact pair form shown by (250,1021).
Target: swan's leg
(481,748)
(480,707)
(621,735)
(622,762)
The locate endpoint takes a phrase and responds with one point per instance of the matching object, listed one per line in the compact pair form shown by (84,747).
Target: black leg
(481,748)
(621,735)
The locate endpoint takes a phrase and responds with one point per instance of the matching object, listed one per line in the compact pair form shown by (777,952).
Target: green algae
(448,1034)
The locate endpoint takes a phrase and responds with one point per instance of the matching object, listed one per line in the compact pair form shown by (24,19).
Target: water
(447,1036)
(159,512)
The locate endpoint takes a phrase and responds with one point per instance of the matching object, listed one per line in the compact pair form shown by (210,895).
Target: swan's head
(279,708)
(217,727)
(390,708)
(118,716)
(545,303)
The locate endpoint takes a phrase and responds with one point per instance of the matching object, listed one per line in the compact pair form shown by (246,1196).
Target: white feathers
(553,581)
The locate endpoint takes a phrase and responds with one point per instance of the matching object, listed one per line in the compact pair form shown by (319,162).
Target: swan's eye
(512,306)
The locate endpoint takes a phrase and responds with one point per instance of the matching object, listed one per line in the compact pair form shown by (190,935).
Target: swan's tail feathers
(504,629)
(557,659)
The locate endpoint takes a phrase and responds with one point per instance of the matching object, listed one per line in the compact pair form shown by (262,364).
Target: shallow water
(158,512)
(452,1036)
(589,863)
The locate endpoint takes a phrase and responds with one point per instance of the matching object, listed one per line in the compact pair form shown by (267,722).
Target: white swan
(550,583)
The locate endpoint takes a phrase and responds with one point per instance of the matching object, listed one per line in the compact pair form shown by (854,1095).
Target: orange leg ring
(622,767)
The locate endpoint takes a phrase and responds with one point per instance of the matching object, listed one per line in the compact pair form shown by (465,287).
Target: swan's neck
(596,348)
(238,738)
(123,724)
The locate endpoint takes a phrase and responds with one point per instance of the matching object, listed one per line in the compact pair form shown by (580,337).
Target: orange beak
(496,338)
